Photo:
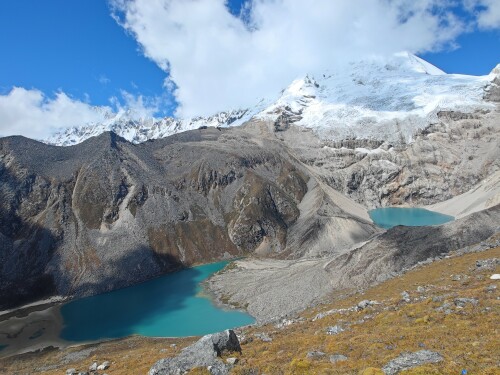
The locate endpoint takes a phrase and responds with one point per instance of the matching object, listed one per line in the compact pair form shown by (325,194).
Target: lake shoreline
(40,325)
(389,217)
(36,331)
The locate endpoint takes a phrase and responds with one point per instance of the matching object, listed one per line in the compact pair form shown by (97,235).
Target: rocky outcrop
(408,360)
(492,92)
(204,353)
(445,159)
(106,213)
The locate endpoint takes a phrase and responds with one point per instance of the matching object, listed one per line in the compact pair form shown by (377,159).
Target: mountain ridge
(376,98)
(106,213)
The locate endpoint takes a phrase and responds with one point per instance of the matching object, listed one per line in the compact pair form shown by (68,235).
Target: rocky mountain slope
(446,159)
(294,181)
(107,213)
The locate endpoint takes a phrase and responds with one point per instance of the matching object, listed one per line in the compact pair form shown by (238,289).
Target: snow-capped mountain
(379,99)
(385,99)
(139,130)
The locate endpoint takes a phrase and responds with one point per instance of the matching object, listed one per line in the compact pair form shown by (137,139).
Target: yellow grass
(468,338)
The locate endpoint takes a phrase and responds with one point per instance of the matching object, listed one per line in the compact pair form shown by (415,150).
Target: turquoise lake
(411,217)
(169,306)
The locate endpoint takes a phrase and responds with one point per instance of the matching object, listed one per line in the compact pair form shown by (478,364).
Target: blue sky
(77,48)
(74,46)
(477,53)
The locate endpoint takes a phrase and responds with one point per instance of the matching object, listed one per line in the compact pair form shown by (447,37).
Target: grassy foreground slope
(467,337)
(432,317)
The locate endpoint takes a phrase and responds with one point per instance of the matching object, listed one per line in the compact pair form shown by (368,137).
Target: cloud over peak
(33,114)
(218,60)
(215,59)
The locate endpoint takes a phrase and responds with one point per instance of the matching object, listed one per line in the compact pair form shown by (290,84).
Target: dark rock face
(104,214)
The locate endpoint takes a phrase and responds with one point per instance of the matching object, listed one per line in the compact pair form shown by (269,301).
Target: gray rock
(458,277)
(491,288)
(103,366)
(446,308)
(487,264)
(232,361)
(315,354)
(364,304)
(225,341)
(218,368)
(93,366)
(203,353)
(462,302)
(405,296)
(334,358)
(421,289)
(77,356)
(409,360)
(71,371)
(264,337)
(334,330)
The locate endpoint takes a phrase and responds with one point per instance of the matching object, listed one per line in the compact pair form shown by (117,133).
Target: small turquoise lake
(169,306)
(389,217)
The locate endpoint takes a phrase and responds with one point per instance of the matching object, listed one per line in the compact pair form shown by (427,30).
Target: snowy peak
(375,98)
(496,71)
(383,99)
(414,63)
(137,130)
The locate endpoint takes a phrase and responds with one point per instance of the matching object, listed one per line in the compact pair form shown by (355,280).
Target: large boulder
(408,360)
(202,353)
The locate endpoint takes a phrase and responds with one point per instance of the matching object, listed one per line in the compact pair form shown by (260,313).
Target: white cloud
(215,61)
(103,79)
(489,17)
(219,61)
(32,114)
(136,107)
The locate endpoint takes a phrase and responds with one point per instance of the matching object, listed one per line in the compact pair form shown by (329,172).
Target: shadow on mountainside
(25,246)
(35,212)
